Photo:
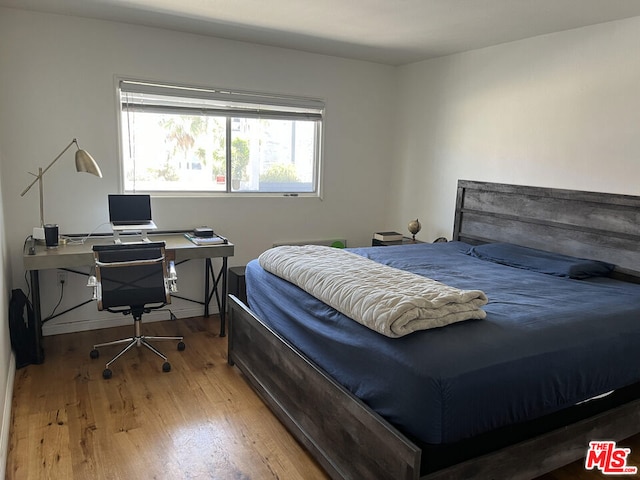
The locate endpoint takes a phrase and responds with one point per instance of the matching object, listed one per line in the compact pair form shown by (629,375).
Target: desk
(80,255)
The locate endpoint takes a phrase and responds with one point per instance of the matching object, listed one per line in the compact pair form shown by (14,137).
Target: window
(187,139)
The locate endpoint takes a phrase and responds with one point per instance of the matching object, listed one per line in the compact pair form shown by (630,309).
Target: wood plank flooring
(199,421)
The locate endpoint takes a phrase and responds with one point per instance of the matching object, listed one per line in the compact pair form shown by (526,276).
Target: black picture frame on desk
(405,241)
(79,254)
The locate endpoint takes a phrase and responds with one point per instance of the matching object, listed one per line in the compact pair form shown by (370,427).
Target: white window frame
(240,104)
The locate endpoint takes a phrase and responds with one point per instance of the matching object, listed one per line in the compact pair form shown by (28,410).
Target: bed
(347,423)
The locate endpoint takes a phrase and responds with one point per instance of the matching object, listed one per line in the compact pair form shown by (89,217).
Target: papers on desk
(215,240)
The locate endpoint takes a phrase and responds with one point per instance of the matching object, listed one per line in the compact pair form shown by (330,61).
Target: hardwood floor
(199,421)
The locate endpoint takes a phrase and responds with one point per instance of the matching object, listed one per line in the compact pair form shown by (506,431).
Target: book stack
(388,236)
(213,240)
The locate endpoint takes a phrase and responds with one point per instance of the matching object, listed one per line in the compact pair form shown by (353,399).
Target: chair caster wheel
(94,354)
(107,373)
(181,346)
(166,367)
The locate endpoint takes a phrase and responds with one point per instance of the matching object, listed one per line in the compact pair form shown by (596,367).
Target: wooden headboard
(600,226)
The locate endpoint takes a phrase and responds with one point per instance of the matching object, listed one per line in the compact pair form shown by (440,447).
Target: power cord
(62,282)
(80,241)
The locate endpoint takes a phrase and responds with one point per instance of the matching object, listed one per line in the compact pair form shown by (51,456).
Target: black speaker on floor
(236,285)
(23,331)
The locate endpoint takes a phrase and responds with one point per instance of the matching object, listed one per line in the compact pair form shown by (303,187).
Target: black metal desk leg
(211,285)
(223,306)
(207,295)
(37,314)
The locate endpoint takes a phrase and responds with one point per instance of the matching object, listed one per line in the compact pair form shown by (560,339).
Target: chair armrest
(93,282)
(172,278)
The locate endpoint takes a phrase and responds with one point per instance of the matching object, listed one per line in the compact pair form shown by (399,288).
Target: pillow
(541,261)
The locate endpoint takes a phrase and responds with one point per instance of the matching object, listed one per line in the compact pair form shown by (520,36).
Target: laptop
(130,212)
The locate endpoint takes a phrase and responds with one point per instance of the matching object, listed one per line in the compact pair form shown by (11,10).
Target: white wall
(560,110)
(7,364)
(57,77)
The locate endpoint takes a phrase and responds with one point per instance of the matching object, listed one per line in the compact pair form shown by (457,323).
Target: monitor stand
(118,240)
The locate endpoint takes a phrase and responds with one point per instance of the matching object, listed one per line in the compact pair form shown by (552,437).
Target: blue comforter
(546,343)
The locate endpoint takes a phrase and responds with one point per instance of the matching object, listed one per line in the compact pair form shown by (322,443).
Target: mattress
(546,344)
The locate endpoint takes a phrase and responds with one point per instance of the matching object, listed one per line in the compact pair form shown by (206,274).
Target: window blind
(138,96)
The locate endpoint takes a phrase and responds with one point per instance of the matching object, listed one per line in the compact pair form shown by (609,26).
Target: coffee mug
(51,235)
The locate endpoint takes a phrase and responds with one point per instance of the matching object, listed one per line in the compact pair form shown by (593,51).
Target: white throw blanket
(390,301)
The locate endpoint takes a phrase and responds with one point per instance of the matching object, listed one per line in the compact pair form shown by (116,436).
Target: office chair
(133,279)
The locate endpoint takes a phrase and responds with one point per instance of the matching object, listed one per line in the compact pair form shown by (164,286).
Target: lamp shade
(86,163)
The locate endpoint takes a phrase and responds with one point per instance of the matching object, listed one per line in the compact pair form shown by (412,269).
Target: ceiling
(393,32)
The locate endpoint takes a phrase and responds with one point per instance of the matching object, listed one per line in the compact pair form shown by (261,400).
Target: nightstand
(405,241)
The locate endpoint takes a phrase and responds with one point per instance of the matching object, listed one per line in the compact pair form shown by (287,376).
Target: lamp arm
(40,174)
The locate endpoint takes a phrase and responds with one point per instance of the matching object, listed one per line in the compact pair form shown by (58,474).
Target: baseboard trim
(6,415)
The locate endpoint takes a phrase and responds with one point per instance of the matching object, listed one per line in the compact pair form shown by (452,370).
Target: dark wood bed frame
(351,441)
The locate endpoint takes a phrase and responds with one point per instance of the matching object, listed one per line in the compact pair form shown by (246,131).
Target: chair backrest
(131,275)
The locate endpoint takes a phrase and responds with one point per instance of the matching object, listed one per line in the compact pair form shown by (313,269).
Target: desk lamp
(84,163)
